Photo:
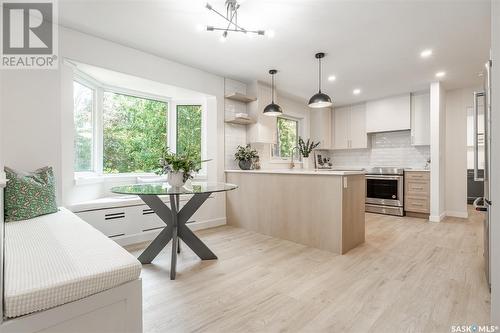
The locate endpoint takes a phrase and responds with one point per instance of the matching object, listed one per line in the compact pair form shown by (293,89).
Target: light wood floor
(409,276)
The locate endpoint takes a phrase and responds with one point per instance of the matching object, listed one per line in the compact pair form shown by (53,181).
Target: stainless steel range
(385,191)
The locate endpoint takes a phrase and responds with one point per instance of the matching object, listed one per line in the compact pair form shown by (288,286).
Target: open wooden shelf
(240,121)
(241,98)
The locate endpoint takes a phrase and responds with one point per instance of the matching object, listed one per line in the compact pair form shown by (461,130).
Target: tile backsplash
(387,149)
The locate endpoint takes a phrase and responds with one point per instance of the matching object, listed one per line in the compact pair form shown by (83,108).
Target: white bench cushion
(59,258)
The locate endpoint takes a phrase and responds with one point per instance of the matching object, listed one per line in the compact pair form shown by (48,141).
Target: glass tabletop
(164,188)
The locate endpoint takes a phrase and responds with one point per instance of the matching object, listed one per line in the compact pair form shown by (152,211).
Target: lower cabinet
(417,193)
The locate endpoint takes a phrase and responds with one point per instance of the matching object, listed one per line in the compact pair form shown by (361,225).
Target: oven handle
(384,177)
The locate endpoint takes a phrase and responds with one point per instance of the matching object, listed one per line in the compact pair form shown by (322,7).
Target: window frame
(98,135)
(279,159)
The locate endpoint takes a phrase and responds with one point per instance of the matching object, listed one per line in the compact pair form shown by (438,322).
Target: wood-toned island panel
(321,211)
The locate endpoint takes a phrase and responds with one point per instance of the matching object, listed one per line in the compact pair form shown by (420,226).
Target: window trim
(276,159)
(99,89)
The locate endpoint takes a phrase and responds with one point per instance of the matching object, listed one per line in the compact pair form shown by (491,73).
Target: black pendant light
(273,109)
(320,100)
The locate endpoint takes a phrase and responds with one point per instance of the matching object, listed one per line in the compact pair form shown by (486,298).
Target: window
(119,131)
(134,133)
(83,98)
(288,135)
(189,123)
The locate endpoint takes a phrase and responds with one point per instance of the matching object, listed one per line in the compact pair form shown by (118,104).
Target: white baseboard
(150,235)
(437,218)
(462,215)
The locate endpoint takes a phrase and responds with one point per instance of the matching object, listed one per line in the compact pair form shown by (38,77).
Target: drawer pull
(117,235)
(114,216)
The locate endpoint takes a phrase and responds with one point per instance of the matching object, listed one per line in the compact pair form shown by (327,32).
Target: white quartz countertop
(417,170)
(334,172)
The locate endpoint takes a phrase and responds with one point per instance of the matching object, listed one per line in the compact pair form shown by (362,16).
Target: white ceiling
(371,45)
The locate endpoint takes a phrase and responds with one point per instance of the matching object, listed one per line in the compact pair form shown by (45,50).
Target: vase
(176,178)
(245,164)
(306,163)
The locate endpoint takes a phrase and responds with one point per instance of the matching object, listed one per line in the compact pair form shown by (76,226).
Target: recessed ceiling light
(270,34)
(356,91)
(332,78)
(440,74)
(426,53)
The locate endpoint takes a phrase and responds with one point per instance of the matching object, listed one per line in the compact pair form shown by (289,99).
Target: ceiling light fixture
(272,109)
(426,53)
(440,74)
(320,100)
(332,78)
(231,17)
(356,91)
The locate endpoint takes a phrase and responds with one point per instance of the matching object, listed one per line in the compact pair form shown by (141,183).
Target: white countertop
(334,172)
(417,170)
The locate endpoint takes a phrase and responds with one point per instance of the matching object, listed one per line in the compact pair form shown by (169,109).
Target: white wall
(37,127)
(438,159)
(495,165)
(31,130)
(457,103)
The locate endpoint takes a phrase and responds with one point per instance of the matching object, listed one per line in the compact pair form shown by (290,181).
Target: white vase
(175,178)
(306,163)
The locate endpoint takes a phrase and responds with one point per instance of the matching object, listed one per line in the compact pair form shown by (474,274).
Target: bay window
(117,131)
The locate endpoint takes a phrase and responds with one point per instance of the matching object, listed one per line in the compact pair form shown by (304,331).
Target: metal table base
(175,229)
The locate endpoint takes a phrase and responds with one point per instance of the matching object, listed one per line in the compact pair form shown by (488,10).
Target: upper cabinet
(264,130)
(421,119)
(348,126)
(388,114)
(320,124)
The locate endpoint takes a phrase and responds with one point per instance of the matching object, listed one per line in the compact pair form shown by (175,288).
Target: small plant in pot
(245,156)
(179,167)
(305,149)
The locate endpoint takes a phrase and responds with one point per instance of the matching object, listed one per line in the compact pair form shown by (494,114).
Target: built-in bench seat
(59,258)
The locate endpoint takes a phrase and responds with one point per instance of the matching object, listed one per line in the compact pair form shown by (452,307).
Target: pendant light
(320,100)
(272,109)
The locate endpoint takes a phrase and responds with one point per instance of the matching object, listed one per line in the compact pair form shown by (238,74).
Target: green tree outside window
(134,133)
(189,118)
(288,134)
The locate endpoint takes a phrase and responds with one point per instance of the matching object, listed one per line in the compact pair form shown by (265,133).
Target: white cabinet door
(321,127)
(420,119)
(341,128)
(388,114)
(264,130)
(357,127)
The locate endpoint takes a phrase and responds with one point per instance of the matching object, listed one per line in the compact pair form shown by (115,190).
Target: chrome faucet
(292,165)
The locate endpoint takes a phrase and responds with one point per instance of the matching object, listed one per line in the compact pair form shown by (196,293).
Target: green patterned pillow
(28,195)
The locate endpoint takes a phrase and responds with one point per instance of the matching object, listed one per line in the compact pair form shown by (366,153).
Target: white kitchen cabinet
(357,127)
(321,127)
(264,130)
(388,114)
(349,127)
(421,119)
(341,127)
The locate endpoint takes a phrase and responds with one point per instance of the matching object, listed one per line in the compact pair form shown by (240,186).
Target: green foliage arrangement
(306,148)
(185,162)
(245,153)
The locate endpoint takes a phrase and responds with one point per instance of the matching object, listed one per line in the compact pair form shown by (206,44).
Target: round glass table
(174,217)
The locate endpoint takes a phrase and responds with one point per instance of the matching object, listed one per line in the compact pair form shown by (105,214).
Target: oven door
(384,190)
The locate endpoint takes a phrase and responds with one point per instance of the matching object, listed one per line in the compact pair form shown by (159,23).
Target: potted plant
(244,156)
(179,167)
(305,149)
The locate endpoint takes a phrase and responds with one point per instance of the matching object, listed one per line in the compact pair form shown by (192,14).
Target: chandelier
(231,18)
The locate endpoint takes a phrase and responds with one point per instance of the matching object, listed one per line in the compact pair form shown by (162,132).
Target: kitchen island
(321,209)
